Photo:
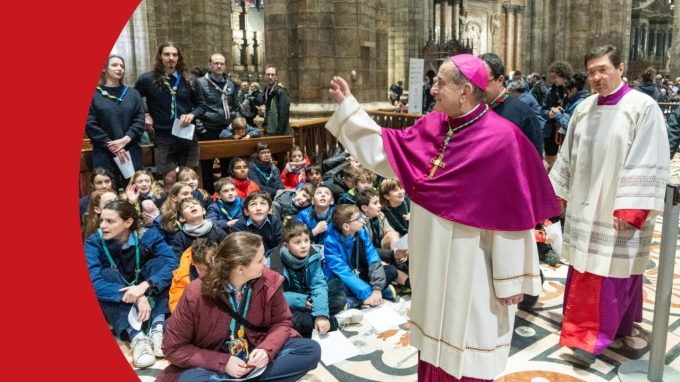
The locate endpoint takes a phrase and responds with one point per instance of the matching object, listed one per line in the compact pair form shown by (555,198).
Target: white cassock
(613,157)
(457,272)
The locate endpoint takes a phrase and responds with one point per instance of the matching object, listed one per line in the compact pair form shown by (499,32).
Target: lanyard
(113,265)
(173,93)
(234,305)
(111,96)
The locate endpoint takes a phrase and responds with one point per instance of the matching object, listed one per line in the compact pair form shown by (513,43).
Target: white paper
(383,318)
(335,347)
(184,133)
(402,243)
(132,319)
(127,169)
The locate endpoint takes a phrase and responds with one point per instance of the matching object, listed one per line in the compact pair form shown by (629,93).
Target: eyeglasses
(359,219)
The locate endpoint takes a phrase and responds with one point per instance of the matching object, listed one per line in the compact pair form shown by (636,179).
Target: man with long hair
(169,96)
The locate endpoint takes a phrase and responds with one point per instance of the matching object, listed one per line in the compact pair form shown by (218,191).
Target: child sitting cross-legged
(258,219)
(363,180)
(318,216)
(228,206)
(287,203)
(383,236)
(194,263)
(313,302)
(351,257)
(194,225)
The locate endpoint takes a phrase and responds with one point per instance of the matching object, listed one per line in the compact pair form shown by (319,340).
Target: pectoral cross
(436,163)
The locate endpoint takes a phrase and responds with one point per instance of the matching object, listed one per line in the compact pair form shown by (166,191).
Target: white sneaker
(156,336)
(349,317)
(142,354)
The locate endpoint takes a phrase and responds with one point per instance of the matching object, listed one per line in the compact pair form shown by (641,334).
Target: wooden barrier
(223,148)
(319,144)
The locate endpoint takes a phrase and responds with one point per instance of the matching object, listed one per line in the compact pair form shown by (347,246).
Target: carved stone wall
(565,30)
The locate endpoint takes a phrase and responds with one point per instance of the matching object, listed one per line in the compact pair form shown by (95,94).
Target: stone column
(655,37)
(443,16)
(437,20)
(509,40)
(675,43)
(645,39)
(455,19)
(519,10)
(448,10)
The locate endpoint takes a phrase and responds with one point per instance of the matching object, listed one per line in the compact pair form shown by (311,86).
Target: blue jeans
(116,313)
(298,356)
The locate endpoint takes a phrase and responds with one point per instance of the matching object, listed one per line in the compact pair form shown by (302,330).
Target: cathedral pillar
(448,10)
(518,37)
(645,39)
(437,20)
(509,40)
(455,19)
(443,16)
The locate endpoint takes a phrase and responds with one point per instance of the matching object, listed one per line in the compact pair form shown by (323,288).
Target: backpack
(246,108)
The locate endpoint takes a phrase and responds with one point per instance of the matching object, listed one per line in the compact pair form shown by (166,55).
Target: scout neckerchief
(500,99)
(223,91)
(237,342)
(223,208)
(439,161)
(173,93)
(111,96)
(395,220)
(259,171)
(113,265)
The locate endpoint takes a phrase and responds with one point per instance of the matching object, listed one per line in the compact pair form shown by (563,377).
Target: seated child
(313,303)
(363,180)
(194,225)
(228,207)
(100,179)
(167,222)
(262,170)
(383,236)
(342,181)
(314,176)
(351,257)
(287,203)
(194,263)
(395,205)
(258,219)
(239,168)
(190,177)
(318,215)
(295,173)
(97,200)
(239,129)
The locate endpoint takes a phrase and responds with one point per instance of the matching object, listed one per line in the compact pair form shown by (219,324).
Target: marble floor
(535,354)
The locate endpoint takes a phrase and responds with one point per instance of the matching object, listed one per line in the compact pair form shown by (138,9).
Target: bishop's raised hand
(339,89)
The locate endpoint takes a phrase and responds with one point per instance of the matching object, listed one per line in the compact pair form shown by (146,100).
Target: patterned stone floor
(535,353)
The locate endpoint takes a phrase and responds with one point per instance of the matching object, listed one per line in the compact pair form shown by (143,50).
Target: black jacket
(158,100)
(277,100)
(210,100)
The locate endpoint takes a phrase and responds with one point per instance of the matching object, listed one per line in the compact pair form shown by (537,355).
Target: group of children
(334,258)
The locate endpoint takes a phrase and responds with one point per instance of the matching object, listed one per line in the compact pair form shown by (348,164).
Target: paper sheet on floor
(184,133)
(383,318)
(335,347)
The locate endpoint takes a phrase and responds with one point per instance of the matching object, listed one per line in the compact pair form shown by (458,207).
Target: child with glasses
(351,257)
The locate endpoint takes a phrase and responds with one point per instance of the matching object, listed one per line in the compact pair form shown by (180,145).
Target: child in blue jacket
(313,302)
(351,257)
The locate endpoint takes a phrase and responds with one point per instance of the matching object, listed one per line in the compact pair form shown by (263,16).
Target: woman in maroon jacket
(203,342)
